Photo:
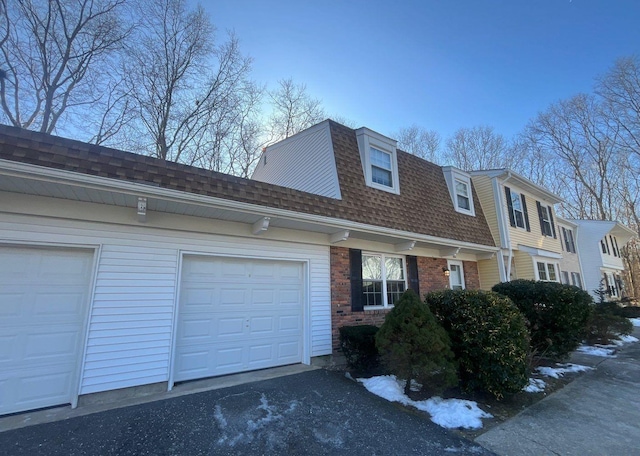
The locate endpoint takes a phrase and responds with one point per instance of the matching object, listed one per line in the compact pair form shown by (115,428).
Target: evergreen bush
(607,322)
(413,346)
(488,336)
(558,315)
(358,344)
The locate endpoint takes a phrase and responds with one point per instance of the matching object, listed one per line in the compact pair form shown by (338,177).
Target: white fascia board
(521,182)
(566,222)
(143,190)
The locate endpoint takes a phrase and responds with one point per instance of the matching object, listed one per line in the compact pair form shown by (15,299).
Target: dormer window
(462,194)
(379,160)
(381,169)
(459,184)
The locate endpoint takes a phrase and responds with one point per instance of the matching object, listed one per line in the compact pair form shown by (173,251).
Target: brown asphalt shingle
(424,205)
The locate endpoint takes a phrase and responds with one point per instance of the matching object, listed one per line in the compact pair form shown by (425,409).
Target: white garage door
(43,302)
(237,315)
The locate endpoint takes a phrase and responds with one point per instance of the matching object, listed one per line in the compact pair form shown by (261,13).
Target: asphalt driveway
(311,413)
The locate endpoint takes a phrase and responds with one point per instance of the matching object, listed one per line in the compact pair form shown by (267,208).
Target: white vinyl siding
(131,325)
(312,171)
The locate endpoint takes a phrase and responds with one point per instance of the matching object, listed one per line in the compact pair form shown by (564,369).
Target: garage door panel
(63,306)
(251,317)
(230,327)
(52,346)
(10,304)
(43,300)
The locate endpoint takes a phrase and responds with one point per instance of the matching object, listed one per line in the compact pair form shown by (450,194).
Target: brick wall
(430,275)
(341,314)
(471,276)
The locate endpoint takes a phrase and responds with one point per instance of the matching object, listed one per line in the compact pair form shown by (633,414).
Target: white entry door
(43,304)
(237,315)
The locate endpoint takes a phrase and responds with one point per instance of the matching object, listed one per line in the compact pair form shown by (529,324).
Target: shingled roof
(424,204)
(423,207)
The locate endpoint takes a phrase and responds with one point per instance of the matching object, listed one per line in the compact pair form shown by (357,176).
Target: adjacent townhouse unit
(120,270)
(570,268)
(522,220)
(599,244)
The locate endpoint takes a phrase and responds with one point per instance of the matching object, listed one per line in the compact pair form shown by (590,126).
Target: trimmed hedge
(488,336)
(358,344)
(558,314)
(414,346)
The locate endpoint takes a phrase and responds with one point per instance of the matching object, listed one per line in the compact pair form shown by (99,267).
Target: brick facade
(430,276)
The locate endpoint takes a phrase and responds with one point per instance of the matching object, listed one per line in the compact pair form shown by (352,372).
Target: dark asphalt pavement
(313,413)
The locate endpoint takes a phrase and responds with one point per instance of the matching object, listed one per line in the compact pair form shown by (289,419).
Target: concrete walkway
(597,414)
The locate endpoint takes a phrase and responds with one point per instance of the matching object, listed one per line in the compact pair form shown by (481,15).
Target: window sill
(370,308)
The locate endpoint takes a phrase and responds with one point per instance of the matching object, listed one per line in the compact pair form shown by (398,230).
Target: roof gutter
(23,170)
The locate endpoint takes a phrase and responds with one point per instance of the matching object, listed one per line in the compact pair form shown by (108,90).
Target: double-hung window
(576,280)
(462,195)
(518,212)
(383,279)
(381,170)
(545,215)
(569,243)
(547,272)
(517,209)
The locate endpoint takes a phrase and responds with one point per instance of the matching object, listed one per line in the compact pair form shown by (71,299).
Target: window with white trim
(460,190)
(462,195)
(546,221)
(576,279)
(569,242)
(456,275)
(383,279)
(547,272)
(378,155)
(381,170)
(612,285)
(518,210)
(565,277)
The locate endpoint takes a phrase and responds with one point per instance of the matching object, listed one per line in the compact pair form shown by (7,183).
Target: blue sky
(438,64)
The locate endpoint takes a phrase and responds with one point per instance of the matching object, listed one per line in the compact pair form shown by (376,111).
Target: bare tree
(53,57)
(477,148)
(189,94)
(420,142)
(620,90)
(292,110)
(583,146)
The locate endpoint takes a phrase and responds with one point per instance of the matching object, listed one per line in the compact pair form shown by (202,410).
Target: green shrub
(413,346)
(630,312)
(607,322)
(358,344)
(558,315)
(488,336)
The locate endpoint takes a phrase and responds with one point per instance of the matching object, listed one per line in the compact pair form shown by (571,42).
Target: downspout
(505,239)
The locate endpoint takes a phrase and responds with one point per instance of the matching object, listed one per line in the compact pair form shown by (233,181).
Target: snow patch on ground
(535,385)
(448,413)
(635,321)
(561,369)
(597,351)
(626,340)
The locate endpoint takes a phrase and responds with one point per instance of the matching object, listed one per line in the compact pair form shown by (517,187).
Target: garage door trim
(306,333)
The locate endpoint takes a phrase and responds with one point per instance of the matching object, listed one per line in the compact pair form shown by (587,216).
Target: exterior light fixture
(446,271)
